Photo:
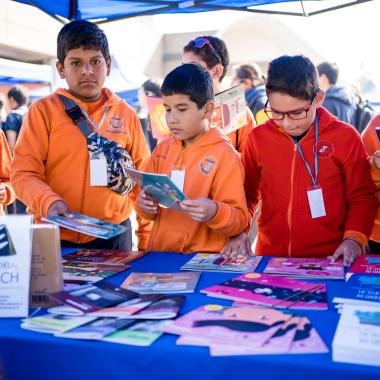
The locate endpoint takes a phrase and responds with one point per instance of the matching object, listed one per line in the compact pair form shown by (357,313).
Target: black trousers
(121,242)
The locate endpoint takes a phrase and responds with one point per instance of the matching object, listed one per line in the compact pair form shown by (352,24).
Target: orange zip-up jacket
(372,144)
(5,171)
(213,170)
(276,172)
(51,160)
(239,137)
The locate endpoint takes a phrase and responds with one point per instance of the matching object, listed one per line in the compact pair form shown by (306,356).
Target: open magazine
(158,186)
(86,225)
(230,112)
(229,115)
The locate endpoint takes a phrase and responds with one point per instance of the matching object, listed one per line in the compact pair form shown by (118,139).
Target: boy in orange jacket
(7,194)
(51,167)
(209,165)
(310,171)
(371,140)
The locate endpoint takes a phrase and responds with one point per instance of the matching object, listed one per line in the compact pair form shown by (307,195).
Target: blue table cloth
(31,355)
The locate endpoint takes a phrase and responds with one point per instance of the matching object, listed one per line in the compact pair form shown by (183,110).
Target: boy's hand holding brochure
(147,203)
(58,208)
(201,210)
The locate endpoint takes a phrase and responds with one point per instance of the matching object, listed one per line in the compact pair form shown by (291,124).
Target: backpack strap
(76,115)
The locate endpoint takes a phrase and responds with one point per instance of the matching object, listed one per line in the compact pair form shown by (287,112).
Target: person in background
(203,164)
(18,102)
(2,110)
(51,169)
(371,140)
(211,53)
(339,100)
(253,80)
(7,194)
(148,88)
(310,171)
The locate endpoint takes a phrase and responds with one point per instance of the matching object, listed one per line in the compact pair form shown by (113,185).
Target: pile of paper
(246,331)
(357,338)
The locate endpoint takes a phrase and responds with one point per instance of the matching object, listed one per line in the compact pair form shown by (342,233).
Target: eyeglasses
(299,114)
(202,42)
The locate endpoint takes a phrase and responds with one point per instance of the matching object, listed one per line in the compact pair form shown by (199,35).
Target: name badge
(316,202)
(178,178)
(98,172)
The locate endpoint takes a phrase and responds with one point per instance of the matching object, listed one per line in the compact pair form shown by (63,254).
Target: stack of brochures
(362,283)
(305,268)
(107,312)
(246,331)
(183,282)
(272,291)
(86,225)
(93,265)
(357,336)
(212,262)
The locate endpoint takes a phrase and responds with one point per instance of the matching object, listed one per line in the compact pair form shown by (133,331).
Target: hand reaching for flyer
(349,249)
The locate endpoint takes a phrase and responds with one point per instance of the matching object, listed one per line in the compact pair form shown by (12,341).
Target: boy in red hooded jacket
(310,171)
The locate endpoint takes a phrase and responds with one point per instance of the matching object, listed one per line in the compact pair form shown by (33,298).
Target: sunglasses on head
(202,42)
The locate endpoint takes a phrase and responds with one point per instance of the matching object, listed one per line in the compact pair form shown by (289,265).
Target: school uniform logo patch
(116,122)
(325,149)
(207,165)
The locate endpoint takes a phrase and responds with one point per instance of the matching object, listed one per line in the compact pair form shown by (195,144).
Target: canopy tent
(13,72)
(110,10)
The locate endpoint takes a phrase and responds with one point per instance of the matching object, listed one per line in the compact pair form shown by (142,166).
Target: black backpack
(363,114)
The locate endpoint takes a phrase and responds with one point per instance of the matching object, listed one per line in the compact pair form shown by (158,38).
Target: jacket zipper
(291,201)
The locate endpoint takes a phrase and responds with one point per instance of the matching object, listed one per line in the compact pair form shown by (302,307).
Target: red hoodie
(275,170)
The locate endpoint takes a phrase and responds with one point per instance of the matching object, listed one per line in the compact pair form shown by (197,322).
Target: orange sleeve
(370,140)
(28,175)
(140,155)
(5,169)
(228,191)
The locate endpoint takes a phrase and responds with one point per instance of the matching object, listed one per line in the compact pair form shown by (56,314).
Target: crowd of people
(298,155)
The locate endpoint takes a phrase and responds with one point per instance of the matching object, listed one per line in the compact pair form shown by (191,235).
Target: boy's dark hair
(212,53)
(192,80)
(293,75)
(81,34)
(330,69)
(19,94)
(252,72)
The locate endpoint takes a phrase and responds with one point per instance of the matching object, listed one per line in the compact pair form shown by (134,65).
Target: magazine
(272,291)
(230,113)
(184,282)
(54,323)
(157,119)
(142,333)
(97,329)
(165,308)
(213,262)
(356,338)
(280,343)
(86,225)
(366,264)
(213,324)
(305,268)
(104,256)
(160,187)
(90,272)
(90,298)
(128,308)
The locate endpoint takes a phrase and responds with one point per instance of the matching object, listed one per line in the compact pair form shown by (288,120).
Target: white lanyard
(96,127)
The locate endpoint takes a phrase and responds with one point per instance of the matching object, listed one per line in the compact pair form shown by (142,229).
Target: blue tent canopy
(110,10)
